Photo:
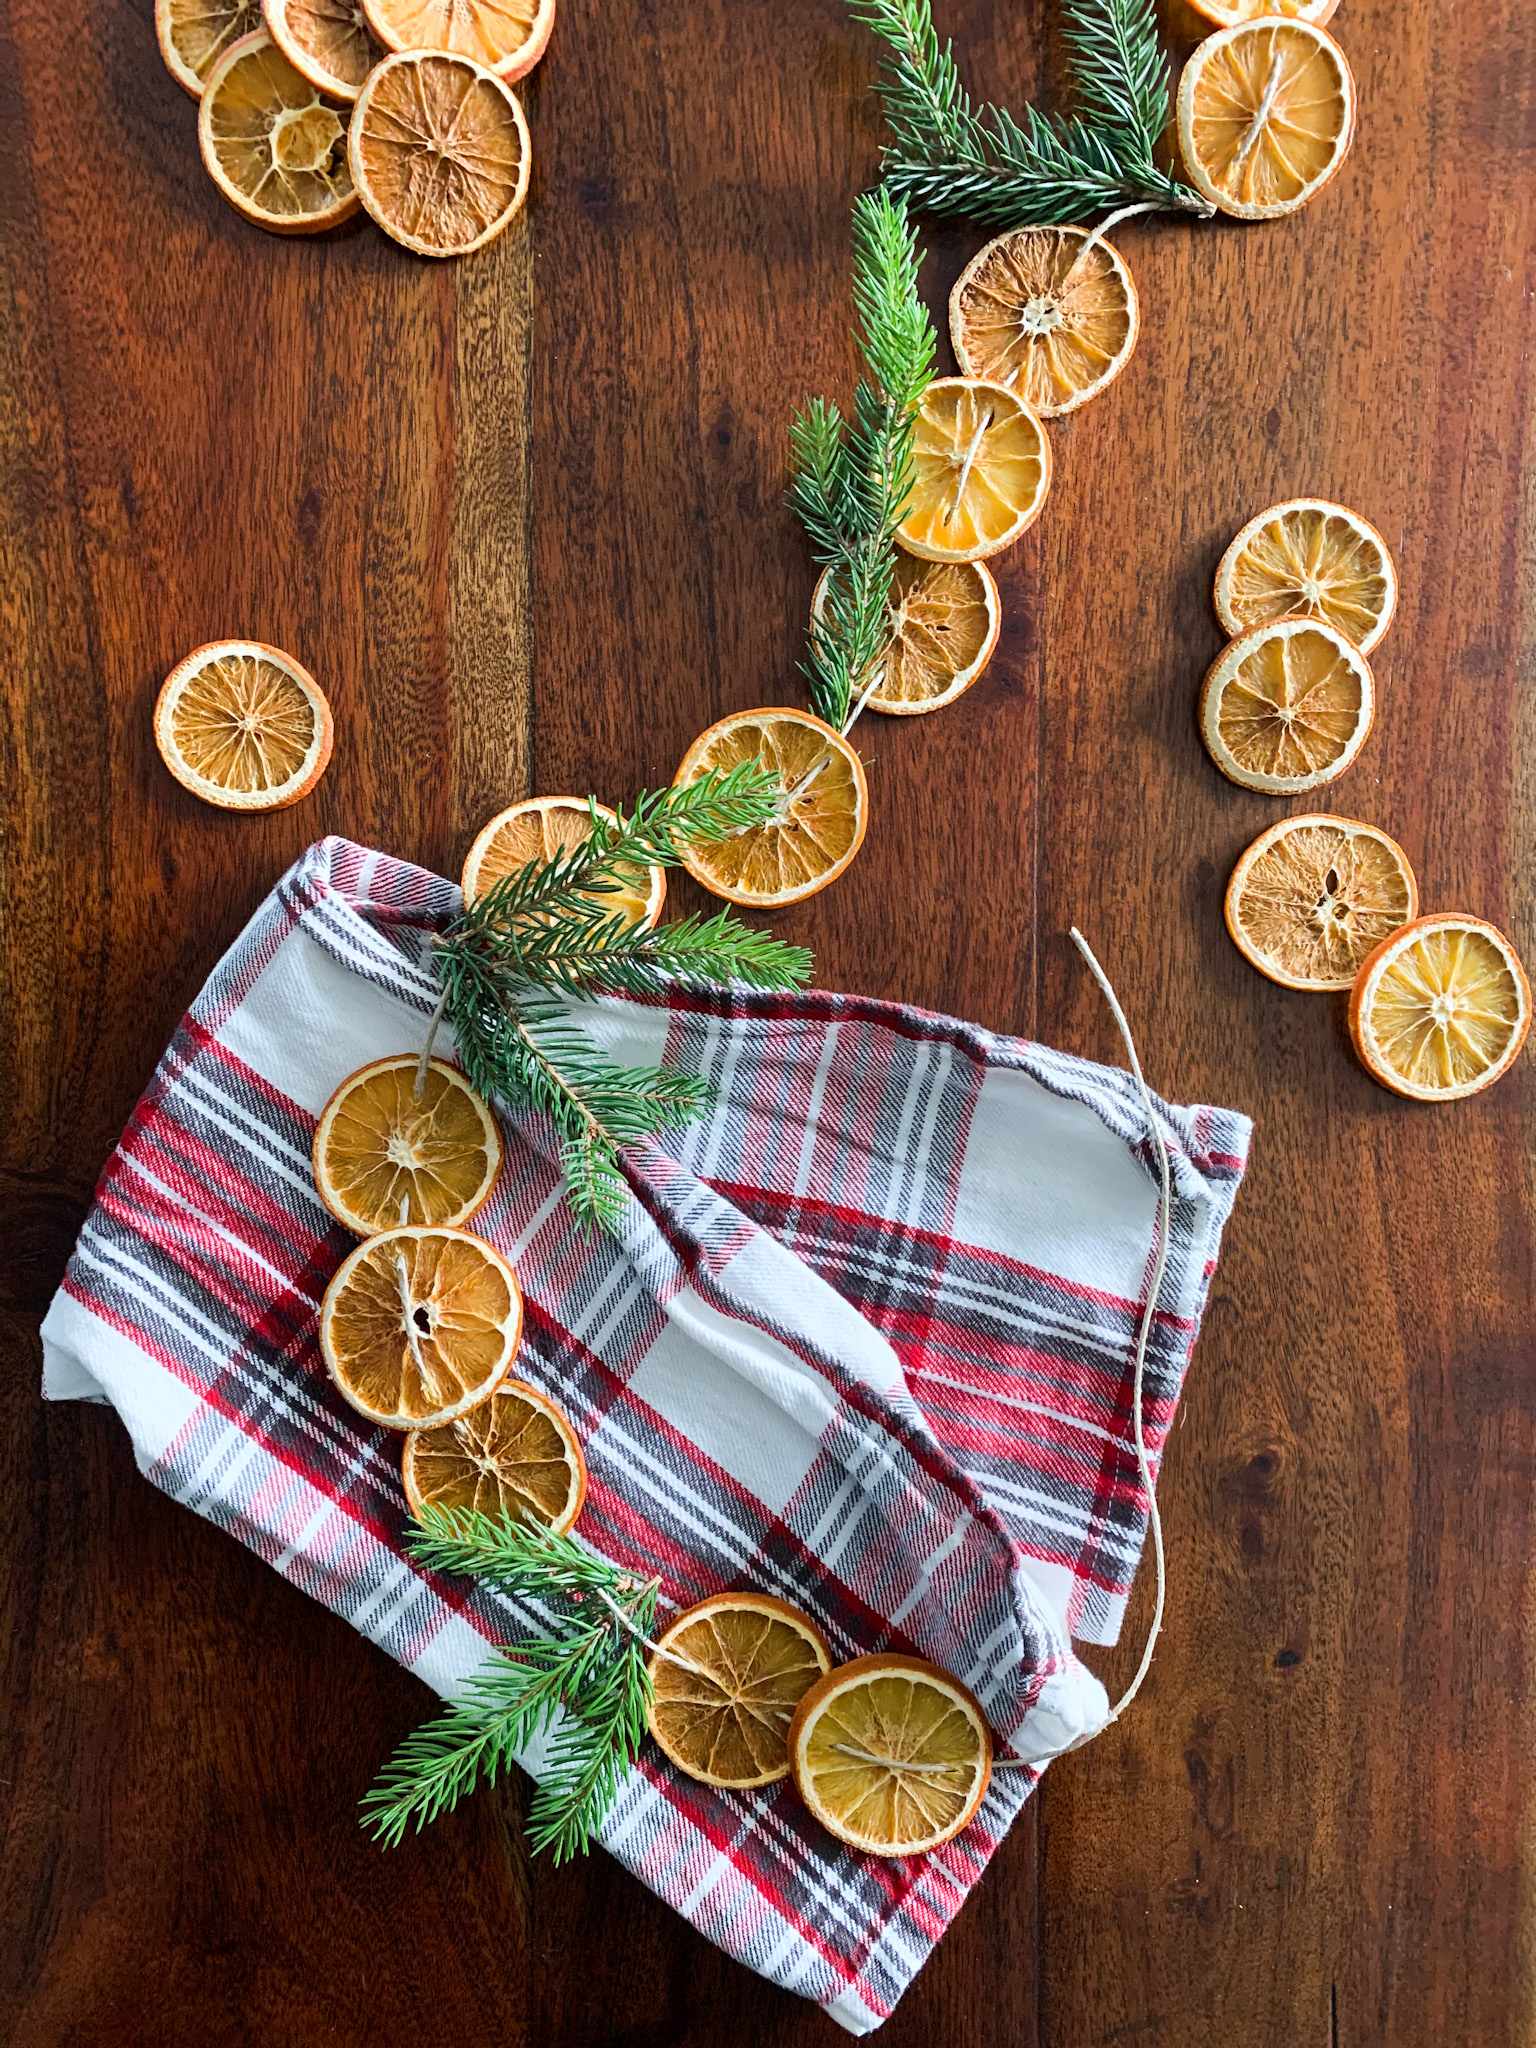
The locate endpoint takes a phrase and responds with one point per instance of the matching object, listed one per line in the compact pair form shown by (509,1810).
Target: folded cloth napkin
(866,1343)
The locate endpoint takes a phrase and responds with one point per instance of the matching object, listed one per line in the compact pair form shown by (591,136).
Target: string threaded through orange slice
(1035,314)
(981,468)
(1440,1009)
(726,1678)
(538,829)
(1287,707)
(1266,116)
(945,618)
(384,1155)
(243,726)
(1310,559)
(515,1458)
(1312,896)
(274,146)
(439,152)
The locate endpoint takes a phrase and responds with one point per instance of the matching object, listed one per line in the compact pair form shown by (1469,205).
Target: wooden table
(523,517)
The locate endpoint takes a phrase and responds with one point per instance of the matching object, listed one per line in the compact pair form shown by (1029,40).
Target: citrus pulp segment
(1036,314)
(981,466)
(945,618)
(243,726)
(274,147)
(1266,116)
(1314,559)
(1313,895)
(538,829)
(506,36)
(194,34)
(891,1754)
(328,40)
(726,1678)
(1441,1008)
(384,1155)
(1287,707)
(514,1458)
(818,824)
(439,152)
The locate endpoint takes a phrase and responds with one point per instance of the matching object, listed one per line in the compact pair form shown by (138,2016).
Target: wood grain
(523,518)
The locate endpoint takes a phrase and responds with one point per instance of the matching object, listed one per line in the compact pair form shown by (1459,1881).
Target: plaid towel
(865,1344)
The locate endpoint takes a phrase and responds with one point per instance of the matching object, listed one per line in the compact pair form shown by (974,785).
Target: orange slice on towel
(726,1679)
(515,1458)
(385,1155)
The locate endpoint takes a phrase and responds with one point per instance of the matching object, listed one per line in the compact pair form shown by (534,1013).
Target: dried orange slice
(384,1155)
(439,152)
(244,726)
(891,1754)
(275,149)
(515,1457)
(945,619)
(981,467)
(1311,558)
(194,34)
(506,36)
(1287,707)
(1228,13)
(726,1679)
(821,817)
(419,1326)
(1312,896)
(1441,1008)
(328,40)
(538,829)
(1031,311)
(1266,116)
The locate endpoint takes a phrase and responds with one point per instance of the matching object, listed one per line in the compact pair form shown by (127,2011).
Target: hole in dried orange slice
(243,725)
(1228,13)
(1266,116)
(537,830)
(194,34)
(1312,896)
(506,36)
(384,1155)
(419,1326)
(891,1754)
(275,149)
(819,821)
(726,1678)
(439,152)
(981,466)
(1441,1008)
(328,40)
(515,1458)
(1287,707)
(944,621)
(1032,313)
(1310,558)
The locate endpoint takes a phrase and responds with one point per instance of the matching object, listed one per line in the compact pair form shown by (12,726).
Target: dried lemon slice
(384,1155)
(1313,559)
(274,147)
(439,152)
(1312,896)
(328,40)
(506,36)
(944,625)
(419,1326)
(819,822)
(1266,116)
(1032,312)
(515,1457)
(244,726)
(726,1679)
(1441,1008)
(981,466)
(891,1754)
(1287,707)
(538,829)
(194,34)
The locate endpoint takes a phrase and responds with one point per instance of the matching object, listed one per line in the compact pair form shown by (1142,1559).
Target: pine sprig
(850,481)
(958,161)
(585,1679)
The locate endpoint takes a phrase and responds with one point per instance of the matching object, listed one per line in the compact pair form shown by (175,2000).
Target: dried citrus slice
(891,1754)
(1031,311)
(419,1326)
(384,1155)
(726,1679)
(506,36)
(1312,896)
(327,40)
(514,1457)
(275,149)
(538,829)
(1228,13)
(1311,558)
(945,619)
(1287,707)
(243,725)
(1441,1008)
(194,34)
(439,151)
(981,467)
(818,825)
(1266,116)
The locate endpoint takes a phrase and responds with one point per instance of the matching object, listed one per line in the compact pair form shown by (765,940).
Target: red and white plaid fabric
(866,1344)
